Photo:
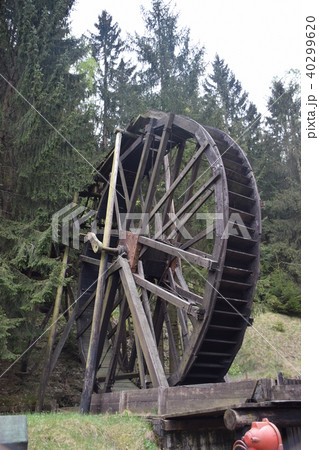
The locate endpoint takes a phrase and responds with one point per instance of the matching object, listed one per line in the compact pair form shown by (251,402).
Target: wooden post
(91,361)
(52,333)
(141,326)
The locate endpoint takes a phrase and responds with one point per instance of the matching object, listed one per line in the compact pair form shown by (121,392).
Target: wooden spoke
(141,168)
(178,180)
(158,162)
(171,298)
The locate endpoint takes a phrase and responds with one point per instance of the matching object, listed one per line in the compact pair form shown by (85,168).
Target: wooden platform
(211,415)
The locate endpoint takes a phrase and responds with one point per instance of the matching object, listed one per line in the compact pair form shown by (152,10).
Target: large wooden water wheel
(180,265)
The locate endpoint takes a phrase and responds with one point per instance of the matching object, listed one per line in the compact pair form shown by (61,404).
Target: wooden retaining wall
(211,416)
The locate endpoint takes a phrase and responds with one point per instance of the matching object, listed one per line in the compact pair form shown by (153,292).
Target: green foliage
(277,288)
(115,80)
(29,278)
(226,106)
(45,129)
(171,66)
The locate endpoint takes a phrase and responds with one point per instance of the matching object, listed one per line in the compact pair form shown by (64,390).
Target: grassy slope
(75,431)
(258,357)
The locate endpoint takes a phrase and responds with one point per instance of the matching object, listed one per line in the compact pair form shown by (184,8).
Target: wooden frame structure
(167,288)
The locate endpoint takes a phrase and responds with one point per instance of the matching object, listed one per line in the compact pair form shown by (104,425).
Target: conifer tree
(116,83)
(278,175)
(171,66)
(226,106)
(44,127)
(46,131)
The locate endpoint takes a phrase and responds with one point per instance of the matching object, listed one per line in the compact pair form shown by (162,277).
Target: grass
(73,430)
(274,347)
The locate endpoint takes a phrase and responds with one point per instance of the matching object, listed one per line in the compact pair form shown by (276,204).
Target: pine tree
(40,109)
(226,106)
(278,178)
(171,66)
(46,131)
(107,46)
(117,87)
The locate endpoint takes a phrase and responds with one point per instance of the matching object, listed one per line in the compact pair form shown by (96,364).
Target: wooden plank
(177,166)
(142,327)
(85,306)
(194,311)
(182,282)
(145,299)
(194,399)
(181,176)
(182,401)
(89,260)
(141,167)
(157,166)
(180,314)
(193,425)
(199,260)
(124,185)
(190,296)
(171,340)
(189,215)
(183,209)
(198,237)
(192,180)
(140,362)
(132,147)
(286,392)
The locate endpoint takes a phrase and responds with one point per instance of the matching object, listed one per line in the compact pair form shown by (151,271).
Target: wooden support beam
(192,179)
(141,168)
(157,166)
(142,327)
(120,330)
(181,280)
(140,362)
(62,341)
(180,314)
(132,147)
(184,208)
(91,362)
(282,417)
(171,340)
(190,296)
(108,307)
(198,237)
(124,185)
(145,300)
(181,176)
(190,309)
(52,332)
(199,260)
(189,215)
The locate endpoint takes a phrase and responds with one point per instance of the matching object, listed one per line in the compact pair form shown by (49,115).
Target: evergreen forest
(61,98)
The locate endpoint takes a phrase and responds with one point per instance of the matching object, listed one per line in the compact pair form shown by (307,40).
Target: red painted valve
(262,436)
